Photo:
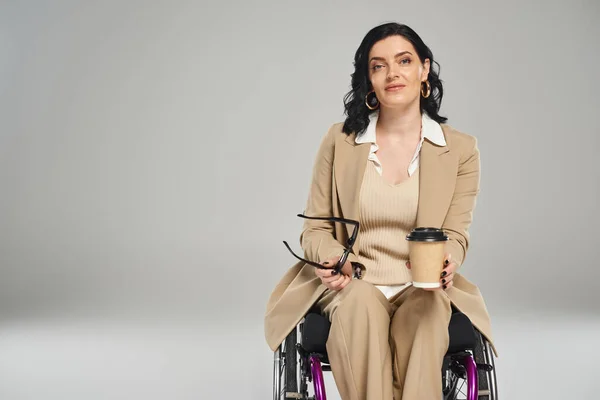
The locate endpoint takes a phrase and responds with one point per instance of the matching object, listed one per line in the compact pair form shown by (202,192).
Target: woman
(392,165)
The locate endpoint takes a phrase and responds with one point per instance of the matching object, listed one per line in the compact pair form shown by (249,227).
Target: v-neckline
(394,185)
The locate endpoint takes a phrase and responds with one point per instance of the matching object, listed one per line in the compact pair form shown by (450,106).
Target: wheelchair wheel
(486,369)
(285,369)
(456,373)
(291,365)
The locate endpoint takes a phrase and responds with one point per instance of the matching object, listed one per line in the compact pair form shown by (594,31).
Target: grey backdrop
(153,156)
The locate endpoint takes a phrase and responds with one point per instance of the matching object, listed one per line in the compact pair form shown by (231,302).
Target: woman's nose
(392,72)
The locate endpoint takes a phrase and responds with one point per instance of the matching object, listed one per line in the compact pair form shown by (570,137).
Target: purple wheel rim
(472,384)
(317,375)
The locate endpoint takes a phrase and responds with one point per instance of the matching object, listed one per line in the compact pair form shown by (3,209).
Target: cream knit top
(387,213)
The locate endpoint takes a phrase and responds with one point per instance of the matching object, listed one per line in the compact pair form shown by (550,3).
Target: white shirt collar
(430,130)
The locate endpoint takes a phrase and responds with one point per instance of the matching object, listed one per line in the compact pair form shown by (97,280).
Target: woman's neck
(399,125)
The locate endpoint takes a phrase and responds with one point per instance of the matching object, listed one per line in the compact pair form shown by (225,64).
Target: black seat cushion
(316,330)
(315,333)
(462,333)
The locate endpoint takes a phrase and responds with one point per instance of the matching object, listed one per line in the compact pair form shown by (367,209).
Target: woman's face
(396,72)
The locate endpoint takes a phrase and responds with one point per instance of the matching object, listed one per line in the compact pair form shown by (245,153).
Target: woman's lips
(395,88)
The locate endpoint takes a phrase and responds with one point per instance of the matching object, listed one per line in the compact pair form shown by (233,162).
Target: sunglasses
(348,248)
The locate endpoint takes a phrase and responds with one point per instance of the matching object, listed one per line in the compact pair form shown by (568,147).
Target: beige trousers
(382,349)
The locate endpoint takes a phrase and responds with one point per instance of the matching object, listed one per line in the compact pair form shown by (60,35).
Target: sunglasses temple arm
(314,264)
(333,219)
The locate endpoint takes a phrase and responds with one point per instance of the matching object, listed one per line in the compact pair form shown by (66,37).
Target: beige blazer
(449,184)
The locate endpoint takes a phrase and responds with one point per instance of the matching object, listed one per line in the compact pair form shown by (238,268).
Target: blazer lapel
(348,169)
(436,184)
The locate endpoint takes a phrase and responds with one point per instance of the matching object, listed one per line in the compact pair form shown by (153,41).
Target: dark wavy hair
(354,101)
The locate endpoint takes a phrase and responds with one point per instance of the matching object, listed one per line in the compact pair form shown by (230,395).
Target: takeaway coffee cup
(426,252)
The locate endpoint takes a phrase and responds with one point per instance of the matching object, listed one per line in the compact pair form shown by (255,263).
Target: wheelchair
(468,370)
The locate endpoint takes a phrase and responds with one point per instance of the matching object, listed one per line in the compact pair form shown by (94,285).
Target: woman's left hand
(447,276)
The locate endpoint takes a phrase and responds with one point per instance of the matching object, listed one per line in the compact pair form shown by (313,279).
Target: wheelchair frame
(294,368)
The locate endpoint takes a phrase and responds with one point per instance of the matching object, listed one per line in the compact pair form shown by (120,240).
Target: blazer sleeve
(318,237)
(460,213)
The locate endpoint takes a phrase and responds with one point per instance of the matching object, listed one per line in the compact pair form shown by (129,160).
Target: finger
(336,286)
(333,280)
(332,263)
(449,269)
(448,285)
(447,279)
(324,273)
(447,259)
(333,286)
(330,279)
(327,271)
(346,279)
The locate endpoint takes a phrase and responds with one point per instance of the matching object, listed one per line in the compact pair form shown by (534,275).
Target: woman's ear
(425,72)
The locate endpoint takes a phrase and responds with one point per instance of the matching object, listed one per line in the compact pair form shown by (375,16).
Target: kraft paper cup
(426,252)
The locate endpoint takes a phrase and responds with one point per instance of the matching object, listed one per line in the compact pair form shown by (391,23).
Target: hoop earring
(376,105)
(426,95)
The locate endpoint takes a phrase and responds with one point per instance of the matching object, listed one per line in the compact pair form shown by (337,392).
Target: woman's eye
(405,61)
(376,67)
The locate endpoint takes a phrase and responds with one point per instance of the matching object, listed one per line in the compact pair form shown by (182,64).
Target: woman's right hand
(335,281)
